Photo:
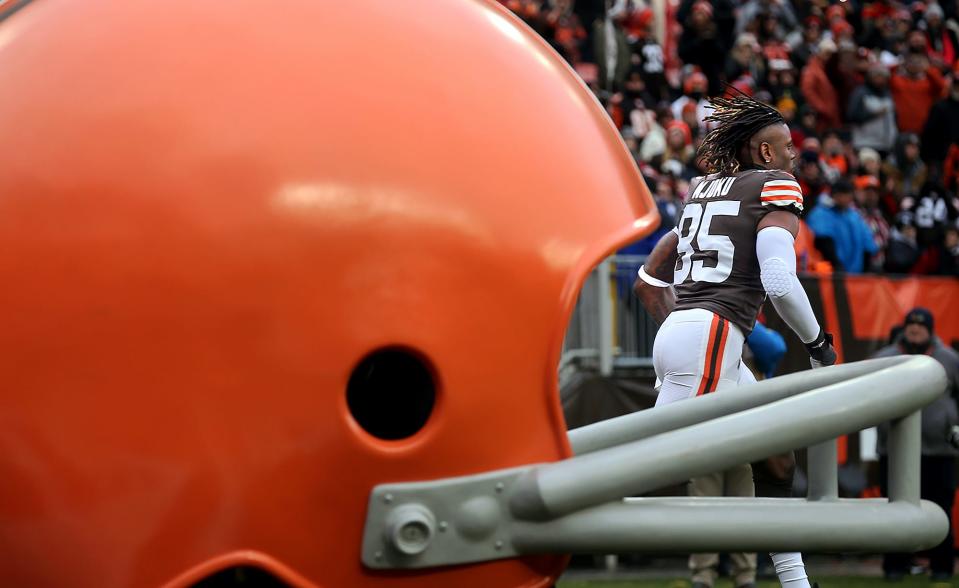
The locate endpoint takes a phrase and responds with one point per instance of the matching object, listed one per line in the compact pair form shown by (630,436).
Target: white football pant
(696,352)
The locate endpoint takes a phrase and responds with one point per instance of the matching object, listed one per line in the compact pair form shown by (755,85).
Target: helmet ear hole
(391,394)
(241,576)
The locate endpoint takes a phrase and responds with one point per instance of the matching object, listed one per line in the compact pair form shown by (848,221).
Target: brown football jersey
(717,268)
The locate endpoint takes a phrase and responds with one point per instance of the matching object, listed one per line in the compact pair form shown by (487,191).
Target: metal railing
(609,327)
(582,504)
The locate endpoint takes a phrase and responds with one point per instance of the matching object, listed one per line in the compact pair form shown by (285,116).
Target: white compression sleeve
(777,269)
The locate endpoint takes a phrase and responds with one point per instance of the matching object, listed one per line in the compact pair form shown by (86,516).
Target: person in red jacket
(942,45)
(915,88)
(819,92)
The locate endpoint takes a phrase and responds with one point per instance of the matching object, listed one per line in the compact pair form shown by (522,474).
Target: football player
(705,281)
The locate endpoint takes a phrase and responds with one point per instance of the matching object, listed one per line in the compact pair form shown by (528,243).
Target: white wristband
(651,280)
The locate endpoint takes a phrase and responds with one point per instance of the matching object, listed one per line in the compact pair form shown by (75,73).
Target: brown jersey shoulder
(751,182)
(746,185)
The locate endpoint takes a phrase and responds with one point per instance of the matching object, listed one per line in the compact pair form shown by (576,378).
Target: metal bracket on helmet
(456,520)
(578,504)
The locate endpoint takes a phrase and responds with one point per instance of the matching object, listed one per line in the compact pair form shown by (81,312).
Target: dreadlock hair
(739,117)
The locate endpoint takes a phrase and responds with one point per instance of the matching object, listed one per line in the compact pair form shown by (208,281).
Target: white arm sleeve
(777,270)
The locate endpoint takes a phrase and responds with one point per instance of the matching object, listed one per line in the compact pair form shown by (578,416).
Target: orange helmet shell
(211,212)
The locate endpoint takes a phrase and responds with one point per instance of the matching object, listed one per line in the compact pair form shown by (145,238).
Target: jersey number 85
(696,240)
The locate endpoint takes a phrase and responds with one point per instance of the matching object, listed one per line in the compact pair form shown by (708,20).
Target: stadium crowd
(871,92)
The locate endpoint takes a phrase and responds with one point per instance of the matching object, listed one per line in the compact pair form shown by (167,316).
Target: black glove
(953,436)
(821,353)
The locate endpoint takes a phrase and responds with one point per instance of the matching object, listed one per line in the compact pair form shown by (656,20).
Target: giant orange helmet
(257,258)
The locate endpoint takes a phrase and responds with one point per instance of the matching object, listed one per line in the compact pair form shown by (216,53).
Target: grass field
(824,582)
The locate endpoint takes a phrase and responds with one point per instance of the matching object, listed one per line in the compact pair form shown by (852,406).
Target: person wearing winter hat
(695,88)
(941,41)
(819,90)
(872,112)
(915,88)
(938,484)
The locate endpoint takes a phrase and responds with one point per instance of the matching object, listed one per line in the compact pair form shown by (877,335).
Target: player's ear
(765,152)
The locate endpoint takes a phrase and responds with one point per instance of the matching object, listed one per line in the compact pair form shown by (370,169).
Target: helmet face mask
(203,242)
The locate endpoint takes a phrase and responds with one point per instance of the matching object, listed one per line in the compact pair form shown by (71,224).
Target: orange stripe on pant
(719,358)
(712,366)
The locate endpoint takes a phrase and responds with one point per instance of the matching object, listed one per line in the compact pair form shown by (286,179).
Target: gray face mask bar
(581,504)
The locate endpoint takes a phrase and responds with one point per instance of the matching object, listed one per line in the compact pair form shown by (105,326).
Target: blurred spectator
(631,141)
(870,162)
(654,144)
(903,22)
(679,146)
(806,126)
(834,14)
(724,15)
(878,27)
(812,172)
(914,90)
(641,120)
(589,11)
(692,120)
(949,262)
(615,109)
(894,47)
(650,63)
(867,199)
(842,224)
(819,90)
(808,257)
(745,60)
(804,47)
(942,128)
(771,37)
(902,251)
(752,10)
(637,21)
(905,169)
(694,92)
(834,156)
(941,42)
(809,174)
(937,469)
(949,176)
(668,203)
(763,95)
(931,212)
(634,88)
(915,42)
(782,83)
(848,72)
(612,51)
(787,107)
(843,34)
(565,30)
(700,44)
(873,113)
